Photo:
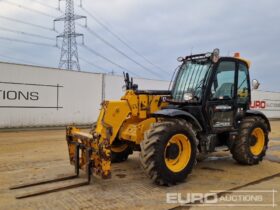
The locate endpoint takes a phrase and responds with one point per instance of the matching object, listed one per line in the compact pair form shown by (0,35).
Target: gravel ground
(27,156)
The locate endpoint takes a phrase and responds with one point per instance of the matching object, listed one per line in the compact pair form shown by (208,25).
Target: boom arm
(126,119)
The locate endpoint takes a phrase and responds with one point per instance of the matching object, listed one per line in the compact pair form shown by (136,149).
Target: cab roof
(237,56)
(211,55)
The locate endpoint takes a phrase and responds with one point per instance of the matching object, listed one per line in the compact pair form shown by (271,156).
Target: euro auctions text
(236,198)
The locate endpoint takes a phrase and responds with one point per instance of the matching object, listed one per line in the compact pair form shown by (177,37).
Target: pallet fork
(78,147)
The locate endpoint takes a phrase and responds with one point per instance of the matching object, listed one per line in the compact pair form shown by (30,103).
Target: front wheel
(251,144)
(168,152)
(120,151)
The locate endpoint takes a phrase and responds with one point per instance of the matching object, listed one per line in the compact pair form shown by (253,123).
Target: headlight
(180,59)
(188,96)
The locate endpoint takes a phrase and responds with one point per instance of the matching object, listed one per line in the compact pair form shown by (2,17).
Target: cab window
(223,84)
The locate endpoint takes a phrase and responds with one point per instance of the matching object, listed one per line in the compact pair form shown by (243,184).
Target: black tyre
(168,151)
(251,144)
(201,157)
(120,151)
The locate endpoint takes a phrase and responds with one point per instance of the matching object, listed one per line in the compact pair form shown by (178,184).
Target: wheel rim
(120,148)
(259,139)
(178,143)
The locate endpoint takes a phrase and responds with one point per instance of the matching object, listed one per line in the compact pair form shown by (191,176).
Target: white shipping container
(36,96)
(32,96)
(267,102)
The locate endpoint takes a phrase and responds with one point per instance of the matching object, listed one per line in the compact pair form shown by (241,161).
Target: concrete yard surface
(28,156)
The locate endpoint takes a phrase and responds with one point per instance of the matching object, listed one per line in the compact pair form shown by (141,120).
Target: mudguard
(173,113)
(259,114)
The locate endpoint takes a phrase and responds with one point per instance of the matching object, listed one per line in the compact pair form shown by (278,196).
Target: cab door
(243,92)
(221,103)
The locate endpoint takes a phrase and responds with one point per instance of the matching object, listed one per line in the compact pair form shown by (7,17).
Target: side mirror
(255,84)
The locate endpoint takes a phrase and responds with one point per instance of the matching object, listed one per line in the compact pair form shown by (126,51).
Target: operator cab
(215,90)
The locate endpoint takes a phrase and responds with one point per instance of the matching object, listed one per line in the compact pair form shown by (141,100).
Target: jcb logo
(258,105)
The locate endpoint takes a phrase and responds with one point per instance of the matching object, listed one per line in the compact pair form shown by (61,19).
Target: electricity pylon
(69,58)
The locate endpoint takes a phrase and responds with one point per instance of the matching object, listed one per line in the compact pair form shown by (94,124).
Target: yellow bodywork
(126,119)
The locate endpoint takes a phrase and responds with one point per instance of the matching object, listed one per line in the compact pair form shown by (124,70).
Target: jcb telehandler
(207,107)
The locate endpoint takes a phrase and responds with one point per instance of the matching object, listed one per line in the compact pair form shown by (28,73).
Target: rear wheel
(168,152)
(251,145)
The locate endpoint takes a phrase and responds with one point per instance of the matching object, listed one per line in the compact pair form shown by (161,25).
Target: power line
(48,45)
(26,33)
(121,39)
(27,42)
(120,52)
(19,59)
(93,64)
(45,5)
(116,49)
(27,8)
(26,23)
(108,60)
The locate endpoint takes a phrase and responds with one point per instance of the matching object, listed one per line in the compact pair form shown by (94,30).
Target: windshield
(190,79)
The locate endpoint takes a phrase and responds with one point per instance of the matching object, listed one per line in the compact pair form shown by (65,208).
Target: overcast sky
(160,30)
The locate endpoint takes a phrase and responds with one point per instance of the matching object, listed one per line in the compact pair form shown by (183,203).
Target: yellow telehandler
(207,107)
